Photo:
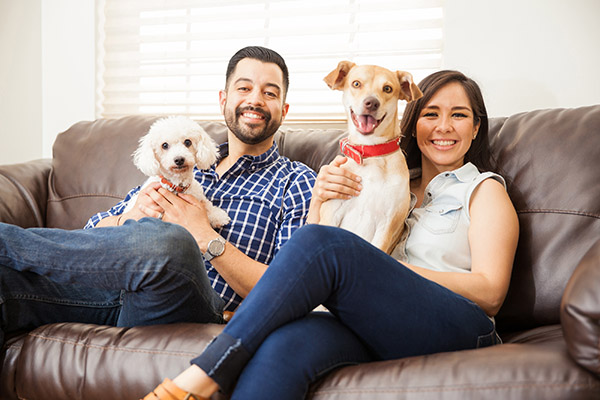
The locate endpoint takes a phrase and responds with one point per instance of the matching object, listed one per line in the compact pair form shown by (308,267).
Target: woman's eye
(356,84)
(387,89)
(460,115)
(165,146)
(187,142)
(430,115)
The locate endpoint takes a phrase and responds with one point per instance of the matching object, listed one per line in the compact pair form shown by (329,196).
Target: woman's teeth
(444,142)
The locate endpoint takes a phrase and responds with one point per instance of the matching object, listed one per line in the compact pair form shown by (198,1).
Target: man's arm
(239,271)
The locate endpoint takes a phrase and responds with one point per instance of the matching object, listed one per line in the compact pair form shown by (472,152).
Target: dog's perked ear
(409,90)
(144,157)
(337,78)
(207,151)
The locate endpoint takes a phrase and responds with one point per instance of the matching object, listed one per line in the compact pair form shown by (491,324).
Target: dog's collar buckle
(359,152)
(172,187)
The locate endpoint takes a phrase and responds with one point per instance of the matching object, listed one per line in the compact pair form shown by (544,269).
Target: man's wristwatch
(215,248)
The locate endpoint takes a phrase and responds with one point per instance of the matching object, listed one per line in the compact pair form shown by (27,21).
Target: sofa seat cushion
(81,361)
(71,360)
(539,369)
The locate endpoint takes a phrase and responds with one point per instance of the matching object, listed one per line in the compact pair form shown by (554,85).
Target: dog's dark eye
(356,84)
(165,146)
(388,89)
(187,142)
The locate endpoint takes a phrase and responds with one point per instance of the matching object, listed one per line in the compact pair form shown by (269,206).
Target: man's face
(253,103)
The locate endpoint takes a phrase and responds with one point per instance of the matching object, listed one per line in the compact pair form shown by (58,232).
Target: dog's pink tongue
(366,123)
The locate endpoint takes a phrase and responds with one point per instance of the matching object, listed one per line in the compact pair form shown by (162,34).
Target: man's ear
(409,91)
(336,78)
(222,100)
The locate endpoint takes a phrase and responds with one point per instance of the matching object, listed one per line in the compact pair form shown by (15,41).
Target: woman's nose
(444,125)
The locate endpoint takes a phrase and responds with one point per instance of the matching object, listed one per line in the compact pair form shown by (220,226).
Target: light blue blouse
(436,234)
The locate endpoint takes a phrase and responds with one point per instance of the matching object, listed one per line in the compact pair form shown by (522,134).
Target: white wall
(20,80)
(525,55)
(46,74)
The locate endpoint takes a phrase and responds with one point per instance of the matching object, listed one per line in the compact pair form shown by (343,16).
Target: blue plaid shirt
(267,199)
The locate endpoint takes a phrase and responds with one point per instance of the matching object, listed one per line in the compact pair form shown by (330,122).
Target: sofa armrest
(24,193)
(580,311)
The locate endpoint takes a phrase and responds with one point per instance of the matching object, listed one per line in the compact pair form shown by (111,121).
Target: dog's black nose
(371,104)
(179,161)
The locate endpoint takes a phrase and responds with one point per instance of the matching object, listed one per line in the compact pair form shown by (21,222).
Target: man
(149,271)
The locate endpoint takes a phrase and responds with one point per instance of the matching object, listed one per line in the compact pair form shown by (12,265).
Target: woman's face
(446,128)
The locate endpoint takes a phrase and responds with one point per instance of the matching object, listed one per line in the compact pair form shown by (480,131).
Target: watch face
(216,247)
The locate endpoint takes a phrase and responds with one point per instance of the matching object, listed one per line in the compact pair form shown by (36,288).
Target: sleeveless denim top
(436,234)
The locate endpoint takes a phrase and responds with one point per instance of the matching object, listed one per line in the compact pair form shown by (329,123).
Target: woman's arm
(333,182)
(493,237)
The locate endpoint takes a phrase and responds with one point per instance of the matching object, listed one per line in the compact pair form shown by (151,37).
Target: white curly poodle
(168,153)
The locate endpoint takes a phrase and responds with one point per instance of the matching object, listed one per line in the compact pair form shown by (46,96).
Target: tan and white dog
(370,97)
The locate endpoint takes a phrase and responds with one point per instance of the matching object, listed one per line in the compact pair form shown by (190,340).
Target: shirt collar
(466,173)
(250,161)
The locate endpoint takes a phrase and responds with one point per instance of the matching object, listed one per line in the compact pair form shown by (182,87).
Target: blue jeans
(380,310)
(141,273)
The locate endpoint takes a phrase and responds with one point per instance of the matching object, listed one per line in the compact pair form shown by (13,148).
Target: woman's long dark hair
(479,153)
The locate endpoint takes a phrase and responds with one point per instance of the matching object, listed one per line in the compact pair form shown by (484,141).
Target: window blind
(169,57)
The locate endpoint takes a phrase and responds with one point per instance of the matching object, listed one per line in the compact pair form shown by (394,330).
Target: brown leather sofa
(550,321)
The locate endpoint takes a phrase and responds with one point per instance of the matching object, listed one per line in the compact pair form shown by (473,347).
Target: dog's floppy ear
(206,151)
(336,78)
(409,91)
(144,158)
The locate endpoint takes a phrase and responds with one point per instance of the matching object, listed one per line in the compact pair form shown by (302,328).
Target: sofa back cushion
(551,160)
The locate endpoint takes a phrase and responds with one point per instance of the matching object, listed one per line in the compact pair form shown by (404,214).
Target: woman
(452,278)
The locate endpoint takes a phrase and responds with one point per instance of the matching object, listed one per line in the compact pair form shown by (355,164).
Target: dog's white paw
(218,217)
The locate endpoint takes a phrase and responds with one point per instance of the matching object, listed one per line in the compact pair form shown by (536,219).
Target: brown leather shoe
(169,391)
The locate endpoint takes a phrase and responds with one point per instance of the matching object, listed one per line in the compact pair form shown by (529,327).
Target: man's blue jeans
(380,310)
(141,273)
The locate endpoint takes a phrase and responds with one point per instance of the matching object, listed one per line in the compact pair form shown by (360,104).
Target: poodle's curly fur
(169,150)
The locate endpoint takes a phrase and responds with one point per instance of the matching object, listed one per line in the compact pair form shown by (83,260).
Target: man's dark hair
(261,54)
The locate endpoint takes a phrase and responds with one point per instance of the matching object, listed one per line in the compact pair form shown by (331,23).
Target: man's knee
(170,240)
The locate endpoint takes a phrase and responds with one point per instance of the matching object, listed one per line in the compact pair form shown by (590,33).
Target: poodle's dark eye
(165,146)
(187,142)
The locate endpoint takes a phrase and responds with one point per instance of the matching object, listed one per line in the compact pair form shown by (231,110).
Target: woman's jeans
(141,273)
(381,310)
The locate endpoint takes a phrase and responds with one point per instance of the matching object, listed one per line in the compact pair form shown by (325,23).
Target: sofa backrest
(550,158)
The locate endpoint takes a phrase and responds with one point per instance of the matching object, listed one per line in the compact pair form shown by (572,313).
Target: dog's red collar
(359,152)
(172,187)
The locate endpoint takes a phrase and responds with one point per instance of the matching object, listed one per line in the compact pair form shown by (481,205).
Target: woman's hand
(333,182)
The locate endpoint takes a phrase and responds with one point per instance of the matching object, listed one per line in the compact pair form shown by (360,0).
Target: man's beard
(249,134)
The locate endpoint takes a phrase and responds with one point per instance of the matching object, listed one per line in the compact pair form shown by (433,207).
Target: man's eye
(165,146)
(187,142)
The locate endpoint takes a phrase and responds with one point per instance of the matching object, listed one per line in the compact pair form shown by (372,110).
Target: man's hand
(184,210)
(333,182)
